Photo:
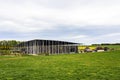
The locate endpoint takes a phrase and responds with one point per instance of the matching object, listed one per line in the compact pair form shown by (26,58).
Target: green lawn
(90,66)
(116,47)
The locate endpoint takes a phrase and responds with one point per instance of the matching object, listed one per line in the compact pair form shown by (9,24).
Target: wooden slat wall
(47,46)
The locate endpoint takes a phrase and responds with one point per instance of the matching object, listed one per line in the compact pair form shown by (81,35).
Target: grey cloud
(80,20)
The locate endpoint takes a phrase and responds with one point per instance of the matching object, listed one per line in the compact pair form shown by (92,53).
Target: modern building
(47,46)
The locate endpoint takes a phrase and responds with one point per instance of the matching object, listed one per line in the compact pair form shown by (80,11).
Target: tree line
(106,44)
(8,44)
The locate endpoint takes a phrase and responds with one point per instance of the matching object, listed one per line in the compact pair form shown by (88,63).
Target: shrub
(5,52)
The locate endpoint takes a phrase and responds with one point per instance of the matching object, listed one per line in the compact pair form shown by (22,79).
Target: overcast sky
(83,21)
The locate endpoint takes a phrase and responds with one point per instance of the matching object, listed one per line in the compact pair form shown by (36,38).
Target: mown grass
(116,47)
(85,66)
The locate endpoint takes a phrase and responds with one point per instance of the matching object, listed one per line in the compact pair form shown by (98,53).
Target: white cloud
(30,16)
(106,38)
(91,13)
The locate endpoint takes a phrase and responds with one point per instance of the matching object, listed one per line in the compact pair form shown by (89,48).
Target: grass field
(85,66)
(116,47)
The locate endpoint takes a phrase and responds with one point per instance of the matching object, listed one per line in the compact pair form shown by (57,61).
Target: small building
(47,46)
